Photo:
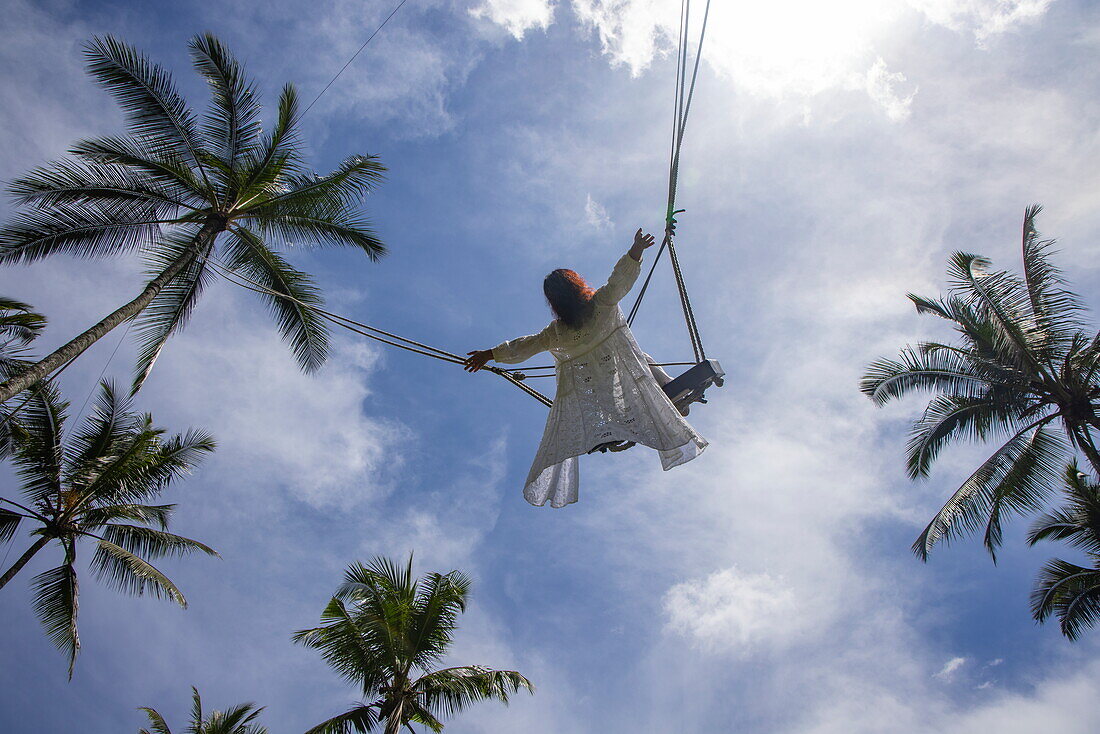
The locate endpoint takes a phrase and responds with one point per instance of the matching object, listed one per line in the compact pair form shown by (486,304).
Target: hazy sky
(836,155)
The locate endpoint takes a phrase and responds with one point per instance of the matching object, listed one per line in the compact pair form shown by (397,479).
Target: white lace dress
(607,391)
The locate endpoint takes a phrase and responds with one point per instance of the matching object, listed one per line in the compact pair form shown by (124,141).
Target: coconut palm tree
(1024,366)
(1064,589)
(385,631)
(237,720)
(173,186)
(19,326)
(93,484)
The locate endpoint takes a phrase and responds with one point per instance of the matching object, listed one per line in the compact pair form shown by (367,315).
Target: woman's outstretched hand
(641,243)
(477,359)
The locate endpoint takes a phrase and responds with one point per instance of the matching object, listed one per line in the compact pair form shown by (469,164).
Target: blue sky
(836,154)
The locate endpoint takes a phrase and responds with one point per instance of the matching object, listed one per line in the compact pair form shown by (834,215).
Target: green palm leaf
(170,310)
(359,719)
(124,571)
(94,229)
(55,605)
(1069,592)
(155,111)
(39,458)
(455,689)
(232,125)
(300,325)
(9,524)
(1016,476)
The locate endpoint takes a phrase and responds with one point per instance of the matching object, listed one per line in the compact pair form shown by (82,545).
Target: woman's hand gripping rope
(477,359)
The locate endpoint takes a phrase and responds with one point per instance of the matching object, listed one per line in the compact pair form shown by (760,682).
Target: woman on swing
(609,391)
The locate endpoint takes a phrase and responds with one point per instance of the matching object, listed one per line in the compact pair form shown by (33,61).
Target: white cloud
(596,215)
(517,16)
(880,85)
(982,18)
(278,428)
(947,672)
(734,610)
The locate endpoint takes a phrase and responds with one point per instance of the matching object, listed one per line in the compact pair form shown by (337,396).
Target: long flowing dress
(607,390)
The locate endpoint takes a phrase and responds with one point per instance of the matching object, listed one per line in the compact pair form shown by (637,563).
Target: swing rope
(372,332)
(682,106)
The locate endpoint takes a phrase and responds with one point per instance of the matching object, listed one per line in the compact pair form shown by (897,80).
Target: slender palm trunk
(393,721)
(18,565)
(46,367)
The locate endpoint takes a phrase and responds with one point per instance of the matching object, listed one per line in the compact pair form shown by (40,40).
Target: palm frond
(9,524)
(148,465)
(156,721)
(100,515)
(1069,592)
(360,719)
(1018,475)
(1027,485)
(155,111)
(92,229)
(151,543)
(239,719)
(352,650)
(1056,309)
(949,417)
(1078,521)
(888,379)
(434,619)
(108,425)
(317,223)
(300,325)
(38,456)
(232,125)
(278,155)
(126,572)
(55,605)
(170,309)
(67,182)
(19,324)
(355,177)
(453,690)
(1004,302)
(160,167)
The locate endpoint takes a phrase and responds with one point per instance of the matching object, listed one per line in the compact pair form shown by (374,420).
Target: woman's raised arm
(626,270)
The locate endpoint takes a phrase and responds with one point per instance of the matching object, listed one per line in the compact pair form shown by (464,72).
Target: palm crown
(1024,365)
(1064,589)
(173,185)
(94,484)
(385,631)
(241,719)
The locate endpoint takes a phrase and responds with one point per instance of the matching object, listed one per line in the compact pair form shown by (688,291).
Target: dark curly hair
(569,296)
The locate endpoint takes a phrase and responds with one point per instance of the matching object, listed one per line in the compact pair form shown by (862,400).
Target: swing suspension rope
(684,92)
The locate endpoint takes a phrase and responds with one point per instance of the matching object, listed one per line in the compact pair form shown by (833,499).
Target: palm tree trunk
(18,565)
(47,366)
(393,721)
